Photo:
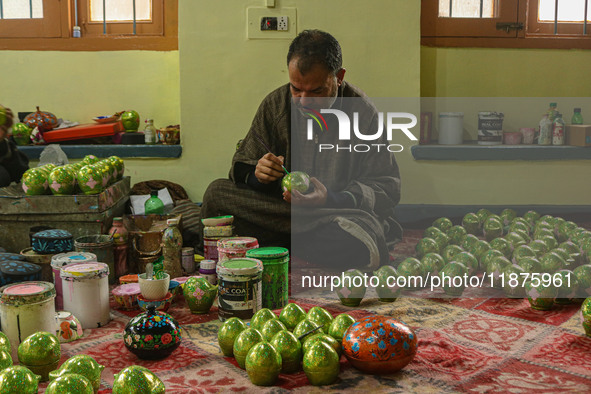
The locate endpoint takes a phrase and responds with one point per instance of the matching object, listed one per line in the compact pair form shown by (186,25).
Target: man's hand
(269,168)
(317,198)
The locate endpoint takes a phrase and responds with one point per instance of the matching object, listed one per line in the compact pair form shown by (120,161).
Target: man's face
(317,88)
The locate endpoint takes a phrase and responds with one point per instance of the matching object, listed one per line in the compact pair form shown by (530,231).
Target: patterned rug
(468,344)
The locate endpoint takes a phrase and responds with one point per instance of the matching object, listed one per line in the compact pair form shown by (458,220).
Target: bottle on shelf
(552,111)
(154,204)
(172,245)
(149,132)
(577,117)
(545,136)
(558,130)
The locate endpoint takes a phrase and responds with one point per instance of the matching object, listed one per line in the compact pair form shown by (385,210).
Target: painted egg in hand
(379,345)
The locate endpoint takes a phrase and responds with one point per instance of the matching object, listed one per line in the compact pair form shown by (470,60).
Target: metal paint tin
(210,248)
(86,293)
(26,308)
(490,128)
(60,260)
(275,280)
(239,288)
(207,270)
(188,260)
(235,247)
(102,246)
(218,231)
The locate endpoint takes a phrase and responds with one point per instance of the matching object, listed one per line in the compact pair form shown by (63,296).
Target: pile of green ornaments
(89,176)
(39,355)
(510,245)
(286,343)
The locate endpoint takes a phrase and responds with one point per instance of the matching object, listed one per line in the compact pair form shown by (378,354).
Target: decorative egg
(321,364)
(305,328)
(21,134)
(81,364)
(583,275)
(40,352)
(5,359)
(410,267)
(320,316)
(379,344)
(586,316)
(43,120)
(199,294)
(443,223)
(90,159)
(567,286)
(552,262)
(61,181)
(432,262)
(70,383)
(227,335)
(530,264)
(339,325)
(456,234)
(468,260)
(34,182)
(5,342)
(352,290)
(291,315)
(130,121)
(387,275)
(272,327)
(513,288)
(152,335)
(18,380)
(290,349)
(452,270)
(119,165)
(263,364)
(540,297)
(90,180)
(261,317)
(426,245)
(136,379)
(244,342)
(312,339)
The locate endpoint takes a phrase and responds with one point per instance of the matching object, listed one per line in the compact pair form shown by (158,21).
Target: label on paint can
(239,288)
(490,128)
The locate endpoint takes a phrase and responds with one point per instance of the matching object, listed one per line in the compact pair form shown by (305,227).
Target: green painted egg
(567,285)
(530,264)
(552,262)
(450,251)
(5,359)
(586,316)
(540,295)
(18,380)
(119,165)
(426,245)
(488,256)
(479,249)
(90,180)
(81,364)
(61,181)
(339,325)
(137,380)
(387,288)
(70,383)
(40,352)
(290,349)
(303,329)
(261,317)
(272,327)
(291,315)
(296,180)
(468,260)
(227,335)
(352,290)
(244,342)
(513,282)
(583,275)
(90,159)
(451,270)
(443,223)
(471,223)
(492,228)
(5,342)
(335,344)
(321,364)
(522,251)
(263,364)
(431,232)
(502,245)
(320,316)
(456,235)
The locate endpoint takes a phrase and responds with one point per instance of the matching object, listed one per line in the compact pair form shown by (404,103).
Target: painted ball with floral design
(34,182)
(90,179)
(152,335)
(119,166)
(61,181)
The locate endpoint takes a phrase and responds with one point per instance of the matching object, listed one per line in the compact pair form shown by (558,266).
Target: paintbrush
(268,149)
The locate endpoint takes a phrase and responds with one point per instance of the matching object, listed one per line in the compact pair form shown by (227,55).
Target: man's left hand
(317,198)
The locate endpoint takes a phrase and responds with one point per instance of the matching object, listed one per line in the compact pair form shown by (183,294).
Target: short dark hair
(316,47)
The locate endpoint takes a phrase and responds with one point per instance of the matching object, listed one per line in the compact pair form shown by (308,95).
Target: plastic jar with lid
(451,128)
(207,269)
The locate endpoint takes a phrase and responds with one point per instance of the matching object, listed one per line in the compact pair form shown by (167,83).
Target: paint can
(275,279)
(451,128)
(239,288)
(235,247)
(218,231)
(210,248)
(188,260)
(63,259)
(26,308)
(102,246)
(86,293)
(490,128)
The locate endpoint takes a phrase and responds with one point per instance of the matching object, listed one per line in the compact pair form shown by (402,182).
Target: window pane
(121,10)
(19,9)
(568,10)
(466,8)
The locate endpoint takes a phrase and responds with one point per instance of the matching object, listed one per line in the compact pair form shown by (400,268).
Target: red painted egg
(379,345)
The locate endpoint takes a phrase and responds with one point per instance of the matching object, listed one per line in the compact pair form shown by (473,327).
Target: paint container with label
(26,308)
(210,248)
(275,281)
(239,288)
(86,293)
(60,260)
(207,270)
(218,231)
(235,247)
(188,260)
(451,128)
(490,128)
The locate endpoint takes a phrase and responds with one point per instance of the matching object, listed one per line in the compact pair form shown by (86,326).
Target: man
(13,163)
(347,220)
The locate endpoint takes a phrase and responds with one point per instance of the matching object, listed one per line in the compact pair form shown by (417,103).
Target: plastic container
(490,128)
(528,135)
(512,138)
(207,270)
(102,246)
(451,128)
(235,247)
(26,308)
(545,137)
(60,260)
(188,260)
(86,293)
(275,280)
(239,288)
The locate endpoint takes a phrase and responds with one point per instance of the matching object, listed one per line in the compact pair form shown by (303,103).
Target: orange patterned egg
(379,344)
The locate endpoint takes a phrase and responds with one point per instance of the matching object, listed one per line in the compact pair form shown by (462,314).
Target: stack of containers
(60,260)
(215,229)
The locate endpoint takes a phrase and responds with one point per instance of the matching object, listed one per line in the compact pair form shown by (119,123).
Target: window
(506,23)
(103,24)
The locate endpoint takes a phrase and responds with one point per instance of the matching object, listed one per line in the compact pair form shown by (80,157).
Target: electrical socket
(283,23)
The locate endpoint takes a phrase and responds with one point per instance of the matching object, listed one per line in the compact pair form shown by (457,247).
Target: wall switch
(271,23)
(282,23)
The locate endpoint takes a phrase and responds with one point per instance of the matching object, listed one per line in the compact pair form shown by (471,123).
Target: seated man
(347,220)
(13,163)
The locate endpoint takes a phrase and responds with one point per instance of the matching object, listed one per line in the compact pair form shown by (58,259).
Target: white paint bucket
(60,260)
(26,308)
(239,288)
(451,128)
(86,293)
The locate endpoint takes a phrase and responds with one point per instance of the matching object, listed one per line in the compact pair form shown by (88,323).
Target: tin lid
(61,259)
(85,270)
(242,266)
(19,268)
(127,289)
(11,257)
(267,253)
(218,220)
(53,234)
(208,264)
(187,251)
(451,114)
(238,243)
(27,293)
